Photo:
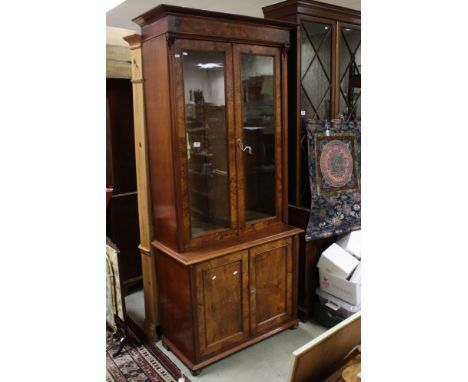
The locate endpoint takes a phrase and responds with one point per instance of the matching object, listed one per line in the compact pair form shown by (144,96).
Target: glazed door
(257,78)
(222,302)
(205,133)
(349,71)
(271,284)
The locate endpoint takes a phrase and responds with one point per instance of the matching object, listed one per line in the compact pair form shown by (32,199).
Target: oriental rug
(140,363)
(334,150)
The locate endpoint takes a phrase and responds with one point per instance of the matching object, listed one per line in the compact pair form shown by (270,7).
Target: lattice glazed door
(316,86)
(350,73)
(316,70)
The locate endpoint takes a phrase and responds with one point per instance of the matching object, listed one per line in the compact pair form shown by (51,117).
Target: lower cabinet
(233,300)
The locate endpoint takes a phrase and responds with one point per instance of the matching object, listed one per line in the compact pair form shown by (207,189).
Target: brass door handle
(244,148)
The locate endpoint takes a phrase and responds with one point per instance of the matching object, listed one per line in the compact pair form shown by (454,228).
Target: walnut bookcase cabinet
(216,116)
(324,83)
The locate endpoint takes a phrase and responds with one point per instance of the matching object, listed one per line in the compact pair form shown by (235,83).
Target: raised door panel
(271,281)
(259,124)
(204,134)
(222,302)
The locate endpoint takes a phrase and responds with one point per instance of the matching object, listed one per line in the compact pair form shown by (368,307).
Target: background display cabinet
(324,83)
(216,116)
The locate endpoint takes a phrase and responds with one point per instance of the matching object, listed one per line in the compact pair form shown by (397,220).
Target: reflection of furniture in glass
(324,83)
(216,119)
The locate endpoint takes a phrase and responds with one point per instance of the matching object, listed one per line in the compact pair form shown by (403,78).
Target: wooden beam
(118,62)
(148,257)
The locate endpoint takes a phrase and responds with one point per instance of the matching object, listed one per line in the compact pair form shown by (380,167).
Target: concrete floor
(268,360)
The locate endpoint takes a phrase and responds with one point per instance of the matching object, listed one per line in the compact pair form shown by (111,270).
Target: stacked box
(340,274)
(351,243)
(338,262)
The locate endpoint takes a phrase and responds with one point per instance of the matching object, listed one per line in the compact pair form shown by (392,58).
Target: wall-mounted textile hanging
(334,150)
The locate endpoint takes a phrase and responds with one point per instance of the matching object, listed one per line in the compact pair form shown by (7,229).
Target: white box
(344,289)
(337,261)
(356,276)
(351,242)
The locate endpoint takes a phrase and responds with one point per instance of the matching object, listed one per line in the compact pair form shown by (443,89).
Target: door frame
(279,78)
(181,162)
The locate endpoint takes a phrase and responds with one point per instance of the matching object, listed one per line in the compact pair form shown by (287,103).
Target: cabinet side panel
(159,131)
(176,303)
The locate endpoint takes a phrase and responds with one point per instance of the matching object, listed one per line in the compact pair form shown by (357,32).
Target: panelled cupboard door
(204,120)
(271,283)
(257,83)
(222,302)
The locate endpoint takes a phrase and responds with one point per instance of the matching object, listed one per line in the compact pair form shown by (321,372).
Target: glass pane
(316,50)
(258,113)
(205,119)
(350,74)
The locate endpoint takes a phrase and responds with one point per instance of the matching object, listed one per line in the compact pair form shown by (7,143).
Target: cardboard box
(336,261)
(341,288)
(351,242)
(356,276)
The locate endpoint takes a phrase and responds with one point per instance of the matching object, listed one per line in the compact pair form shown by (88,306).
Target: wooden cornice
(164,10)
(313,8)
(134,41)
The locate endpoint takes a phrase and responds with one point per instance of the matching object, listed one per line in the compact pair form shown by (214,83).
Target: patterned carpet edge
(143,362)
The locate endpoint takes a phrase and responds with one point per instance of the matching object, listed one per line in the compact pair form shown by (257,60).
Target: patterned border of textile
(113,293)
(142,363)
(334,150)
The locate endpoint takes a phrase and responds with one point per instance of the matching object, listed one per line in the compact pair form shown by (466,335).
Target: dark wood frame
(337,17)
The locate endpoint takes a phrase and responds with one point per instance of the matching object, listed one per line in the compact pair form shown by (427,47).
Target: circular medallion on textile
(336,163)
